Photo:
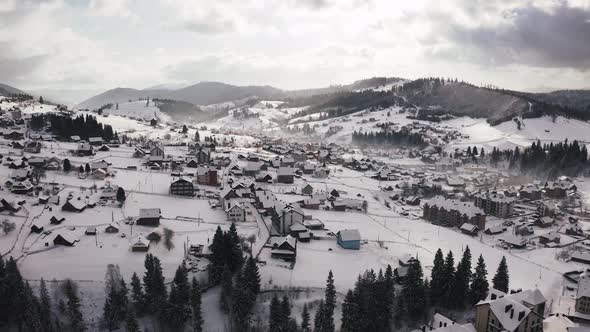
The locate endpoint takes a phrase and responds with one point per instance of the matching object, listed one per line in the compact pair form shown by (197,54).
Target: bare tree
(168,235)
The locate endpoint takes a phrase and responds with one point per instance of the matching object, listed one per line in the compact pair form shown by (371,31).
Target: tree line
(395,138)
(64,126)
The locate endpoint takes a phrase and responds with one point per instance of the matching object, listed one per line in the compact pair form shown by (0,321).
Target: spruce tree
(158,288)
(350,314)
(226,289)
(413,290)
(448,279)
(437,278)
(305,324)
(461,280)
(196,306)
(217,257)
(234,251)
(73,307)
(45,307)
(318,321)
(87,168)
(148,283)
(252,276)
(131,322)
(178,310)
(31,314)
(275,314)
(137,295)
(501,278)
(329,304)
(479,286)
(67,166)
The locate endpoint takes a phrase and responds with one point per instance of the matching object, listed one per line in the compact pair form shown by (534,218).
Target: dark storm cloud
(559,37)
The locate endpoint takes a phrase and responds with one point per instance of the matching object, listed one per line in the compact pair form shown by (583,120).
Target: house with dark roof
(65,238)
(518,312)
(74,205)
(182,187)
(450,212)
(149,217)
(284,248)
(285,175)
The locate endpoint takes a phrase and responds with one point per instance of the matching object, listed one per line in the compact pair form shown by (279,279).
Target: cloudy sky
(90,45)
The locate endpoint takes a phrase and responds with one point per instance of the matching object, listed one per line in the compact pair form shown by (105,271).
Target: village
(301,209)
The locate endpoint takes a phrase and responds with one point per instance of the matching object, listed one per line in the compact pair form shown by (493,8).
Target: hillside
(467,100)
(574,99)
(206,93)
(118,95)
(8,90)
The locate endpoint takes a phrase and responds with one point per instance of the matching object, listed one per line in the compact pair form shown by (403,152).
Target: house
(530,192)
(75,138)
(99,174)
(307,190)
(440,323)
(544,222)
(400,273)
(95,140)
(84,149)
(313,224)
(560,323)
(20,174)
(583,294)
(10,207)
(285,175)
(311,203)
(514,241)
(37,227)
(140,244)
(495,230)
(157,151)
(203,156)
(296,229)
(287,162)
(283,247)
(139,153)
(74,205)
(349,239)
(22,187)
(55,221)
(33,147)
(90,231)
(264,177)
(574,230)
(549,239)
(581,257)
(494,203)
(283,216)
(182,187)
(413,200)
(207,176)
(406,260)
(321,172)
(235,211)
(469,229)
(251,169)
(66,238)
(455,182)
(149,217)
(450,212)
(112,228)
(518,312)
(99,165)
(16,145)
(104,148)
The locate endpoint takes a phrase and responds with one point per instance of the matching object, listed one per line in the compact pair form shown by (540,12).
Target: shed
(141,244)
(149,217)
(112,228)
(65,239)
(349,239)
(469,229)
(90,231)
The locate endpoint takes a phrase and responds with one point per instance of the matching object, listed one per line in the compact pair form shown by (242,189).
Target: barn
(149,217)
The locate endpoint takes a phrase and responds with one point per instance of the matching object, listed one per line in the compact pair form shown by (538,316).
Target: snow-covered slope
(138,110)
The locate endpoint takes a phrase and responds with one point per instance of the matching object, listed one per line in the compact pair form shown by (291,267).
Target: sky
(75,48)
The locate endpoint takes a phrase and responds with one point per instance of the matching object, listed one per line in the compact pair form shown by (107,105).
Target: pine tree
(73,307)
(131,322)
(305,324)
(67,166)
(234,251)
(252,276)
(479,286)
(448,279)
(44,307)
(137,295)
(196,306)
(437,277)
(197,136)
(226,289)
(121,196)
(81,169)
(217,257)
(318,321)
(462,278)
(329,304)
(148,283)
(350,314)
(178,310)
(87,168)
(413,290)
(275,314)
(159,288)
(501,278)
